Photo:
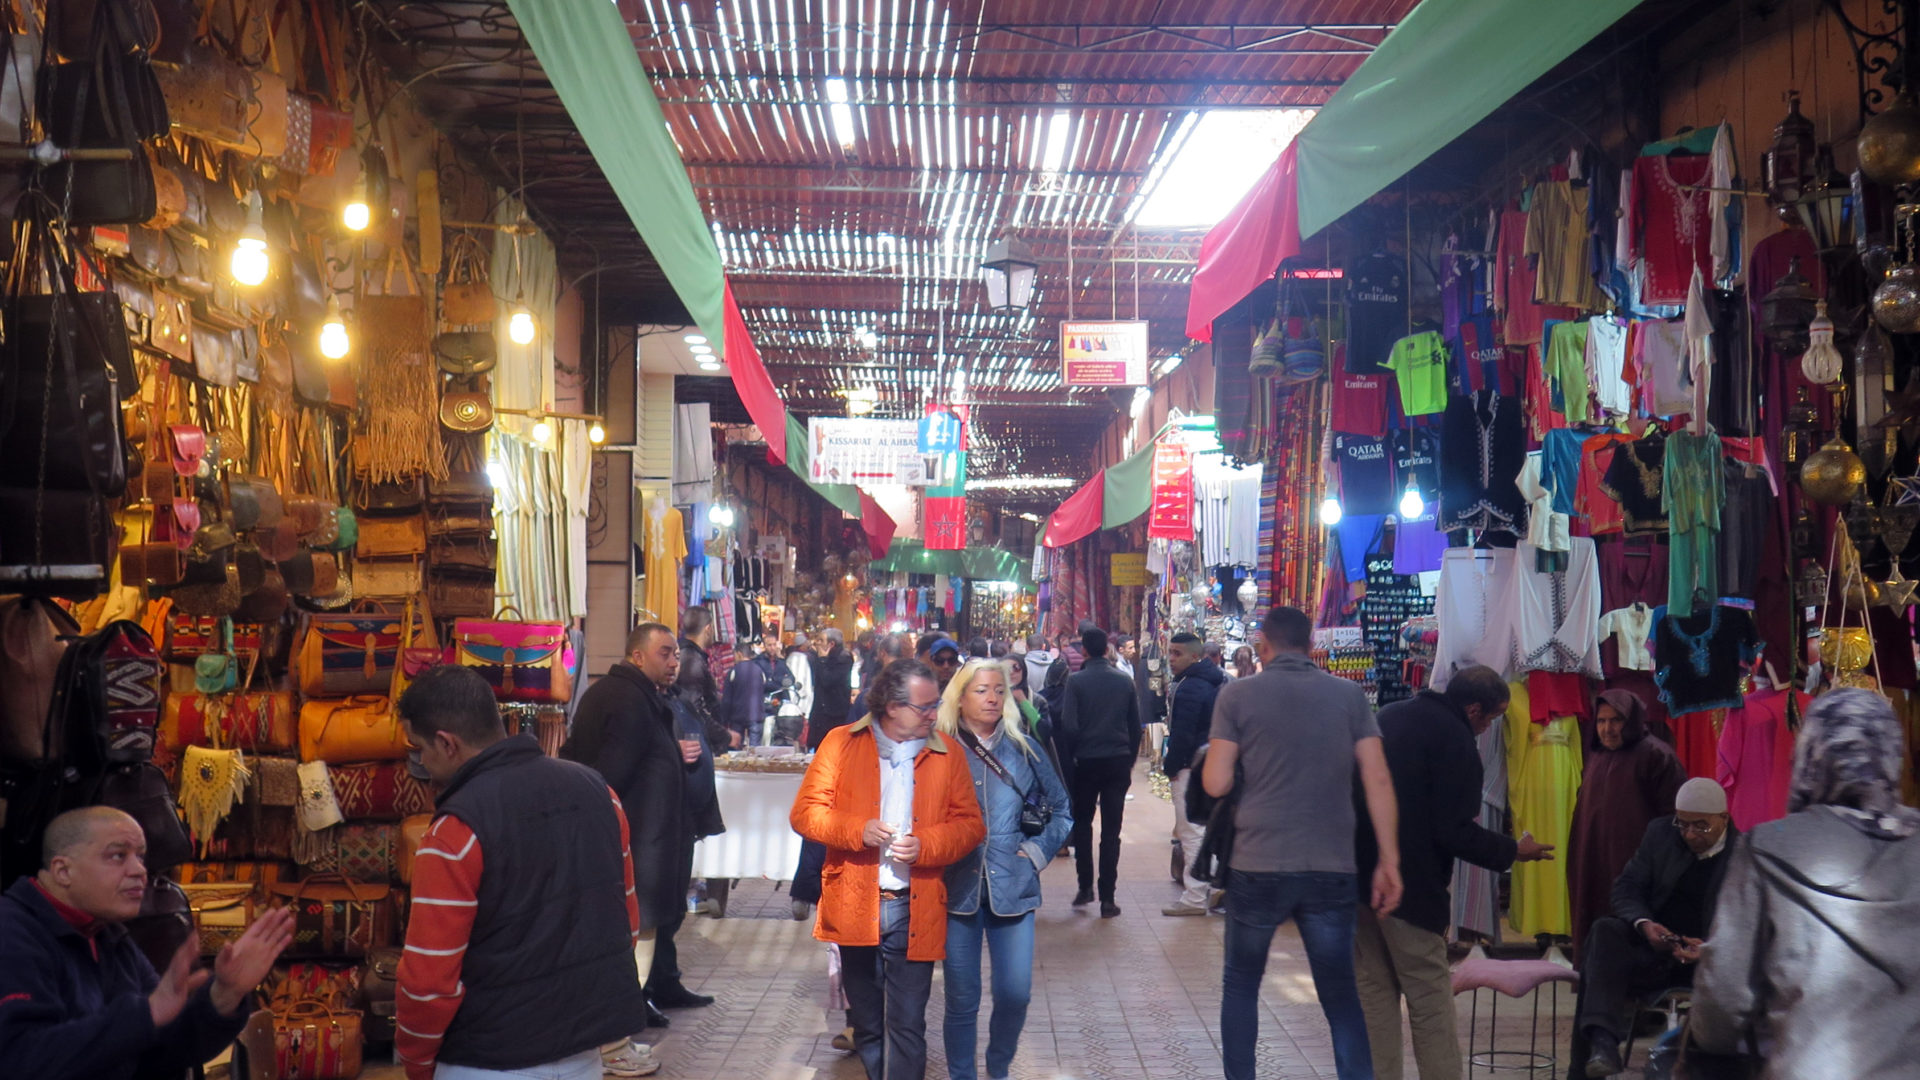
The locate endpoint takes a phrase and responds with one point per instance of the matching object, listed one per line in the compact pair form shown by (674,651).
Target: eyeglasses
(1700,827)
(924,710)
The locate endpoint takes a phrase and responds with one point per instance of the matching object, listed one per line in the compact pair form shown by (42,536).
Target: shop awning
(1442,70)
(976,563)
(588,56)
(1116,495)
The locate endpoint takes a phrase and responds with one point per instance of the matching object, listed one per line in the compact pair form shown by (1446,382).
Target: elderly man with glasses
(1662,908)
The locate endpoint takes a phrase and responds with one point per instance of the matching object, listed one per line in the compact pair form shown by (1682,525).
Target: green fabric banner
(586,53)
(1443,69)
(975,563)
(1129,490)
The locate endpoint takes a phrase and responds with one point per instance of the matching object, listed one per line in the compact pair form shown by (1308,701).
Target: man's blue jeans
(1009,941)
(1322,905)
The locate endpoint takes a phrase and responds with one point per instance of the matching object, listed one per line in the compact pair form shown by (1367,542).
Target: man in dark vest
(520,947)
(625,729)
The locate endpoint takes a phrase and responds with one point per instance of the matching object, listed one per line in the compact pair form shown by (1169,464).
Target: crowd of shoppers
(946,779)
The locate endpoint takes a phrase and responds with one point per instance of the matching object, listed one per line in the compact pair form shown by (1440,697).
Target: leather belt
(893,894)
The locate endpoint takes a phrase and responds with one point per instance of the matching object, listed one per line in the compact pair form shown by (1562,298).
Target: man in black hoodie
(1435,763)
(832,688)
(1196,681)
(1101,724)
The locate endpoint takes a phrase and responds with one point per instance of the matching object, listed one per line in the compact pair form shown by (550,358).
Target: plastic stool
(1514,978)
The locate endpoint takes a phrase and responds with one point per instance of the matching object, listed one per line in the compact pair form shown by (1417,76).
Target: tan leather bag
(386,538)
(389,579)
(31,645)
(357,729)
(413,830)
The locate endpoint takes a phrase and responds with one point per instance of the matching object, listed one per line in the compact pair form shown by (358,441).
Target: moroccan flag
(944,519)
(1116,495)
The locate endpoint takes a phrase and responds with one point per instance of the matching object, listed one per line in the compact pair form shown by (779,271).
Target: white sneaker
(1184,909)
(628,1058)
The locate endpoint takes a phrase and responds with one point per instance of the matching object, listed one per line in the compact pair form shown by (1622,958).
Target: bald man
(77,997)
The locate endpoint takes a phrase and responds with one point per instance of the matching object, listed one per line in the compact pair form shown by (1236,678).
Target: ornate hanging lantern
(1787,310)
(1788,162)
(1890,144)
(1826,208)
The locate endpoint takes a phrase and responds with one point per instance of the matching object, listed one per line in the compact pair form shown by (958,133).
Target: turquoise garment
(1693,489)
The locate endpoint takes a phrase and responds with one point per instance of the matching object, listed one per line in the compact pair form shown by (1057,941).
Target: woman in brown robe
(1630,779)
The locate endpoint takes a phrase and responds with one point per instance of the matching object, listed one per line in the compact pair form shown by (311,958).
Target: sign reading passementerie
(1103,353)
(865,451)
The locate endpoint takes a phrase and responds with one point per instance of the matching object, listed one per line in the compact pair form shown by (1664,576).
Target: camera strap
(991,762)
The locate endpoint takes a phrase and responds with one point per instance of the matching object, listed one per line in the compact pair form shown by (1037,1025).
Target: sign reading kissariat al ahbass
(1103,353)
(865,451)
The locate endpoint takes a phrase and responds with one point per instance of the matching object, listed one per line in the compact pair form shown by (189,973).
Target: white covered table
(759,842)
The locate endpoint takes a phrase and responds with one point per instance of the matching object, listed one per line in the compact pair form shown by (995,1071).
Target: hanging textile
(1543,779)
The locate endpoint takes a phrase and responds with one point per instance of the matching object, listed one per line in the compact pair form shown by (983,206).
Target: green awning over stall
(1445,68)
(977,563)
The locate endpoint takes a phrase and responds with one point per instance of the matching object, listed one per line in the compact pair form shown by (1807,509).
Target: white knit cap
(1701,796)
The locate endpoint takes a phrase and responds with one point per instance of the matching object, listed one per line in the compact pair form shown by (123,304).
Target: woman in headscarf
(1813,959)
(1630,779)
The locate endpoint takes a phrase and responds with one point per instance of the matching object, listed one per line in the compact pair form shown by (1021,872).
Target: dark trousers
(1617,968)
(887,999)
(1101,781)
(1322,906)
(665,972)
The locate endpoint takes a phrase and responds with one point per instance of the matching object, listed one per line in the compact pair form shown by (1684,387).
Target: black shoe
(1604,1060)
(1083,898)
(679,997)
(656,1018)
(1109,909)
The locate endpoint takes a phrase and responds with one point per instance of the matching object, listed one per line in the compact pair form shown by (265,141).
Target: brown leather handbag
(336,918)
(466,411)
(385,538)
(313,1040)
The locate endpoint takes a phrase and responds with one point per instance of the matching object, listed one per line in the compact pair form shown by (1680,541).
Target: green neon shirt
(1419,364)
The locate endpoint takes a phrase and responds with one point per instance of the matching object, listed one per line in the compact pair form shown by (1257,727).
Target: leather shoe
(656,1018)
(1109,909)
(679,997)
(1083,898)
(1604,1060)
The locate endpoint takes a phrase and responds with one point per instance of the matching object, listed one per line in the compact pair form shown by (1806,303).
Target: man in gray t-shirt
(1295,735)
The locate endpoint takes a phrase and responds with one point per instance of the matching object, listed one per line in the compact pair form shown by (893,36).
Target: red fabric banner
(1171,515)
(1246,248)
(752,383)
(1079,516)
(879,526)
(945,527)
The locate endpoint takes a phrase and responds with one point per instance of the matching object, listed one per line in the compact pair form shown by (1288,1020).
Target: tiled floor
(1137,996)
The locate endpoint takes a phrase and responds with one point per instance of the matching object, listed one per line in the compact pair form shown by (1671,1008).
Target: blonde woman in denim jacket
(993,892)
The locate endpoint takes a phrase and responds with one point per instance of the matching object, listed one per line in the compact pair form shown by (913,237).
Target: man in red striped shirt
(520,943)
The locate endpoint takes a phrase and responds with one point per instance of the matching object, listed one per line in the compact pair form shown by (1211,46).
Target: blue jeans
(582,1066)
(887,999)
(1322,905)
(1010,943)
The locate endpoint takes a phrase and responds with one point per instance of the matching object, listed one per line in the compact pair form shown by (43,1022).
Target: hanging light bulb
(542,429)
(334,343)
(520,325)
(1330,512)
(357,215)
(1412,506)
(249,263)
(596,434)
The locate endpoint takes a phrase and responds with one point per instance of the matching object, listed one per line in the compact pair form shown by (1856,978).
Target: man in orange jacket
(893,804)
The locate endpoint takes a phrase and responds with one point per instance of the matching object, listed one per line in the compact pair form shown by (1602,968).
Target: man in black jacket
(624,727)
(1662,908)
(1100,722)
(1196,681)
(744,701)
(832,688)
(1429,743)
(78,999)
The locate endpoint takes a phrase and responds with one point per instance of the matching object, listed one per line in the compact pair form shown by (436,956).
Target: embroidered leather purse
(348,654)
(337,918)
(361,728)
(521,661)
(379,791)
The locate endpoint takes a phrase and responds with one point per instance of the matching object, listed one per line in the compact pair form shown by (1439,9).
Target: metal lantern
(1008,272)
(1826,207)
(1788,163)
(1896,302)
(1890,144)
(1802,426)
(1872,224)
(1787,310)
(1833,474)
(1248,594)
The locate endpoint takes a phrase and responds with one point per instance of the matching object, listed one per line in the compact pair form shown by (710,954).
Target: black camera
(1034,818)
